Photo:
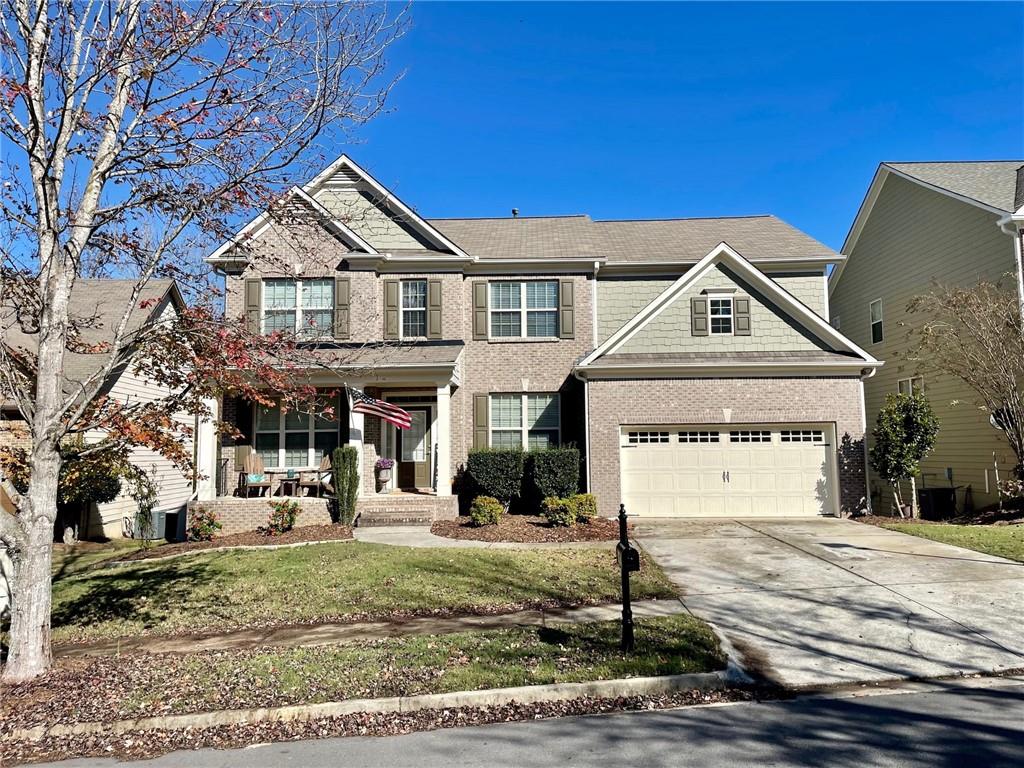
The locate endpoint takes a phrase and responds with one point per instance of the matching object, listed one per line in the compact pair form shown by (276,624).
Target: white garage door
(728,471)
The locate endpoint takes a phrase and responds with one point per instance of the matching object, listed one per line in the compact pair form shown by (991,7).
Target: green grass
(331,582)
(1000,540)
(68,560)
(138,685)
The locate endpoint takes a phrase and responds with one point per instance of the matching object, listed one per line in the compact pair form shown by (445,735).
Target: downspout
(1013,225)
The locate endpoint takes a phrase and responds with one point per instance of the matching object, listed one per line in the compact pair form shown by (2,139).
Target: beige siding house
(921,224)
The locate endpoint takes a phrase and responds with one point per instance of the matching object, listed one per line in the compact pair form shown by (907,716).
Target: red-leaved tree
(135,135)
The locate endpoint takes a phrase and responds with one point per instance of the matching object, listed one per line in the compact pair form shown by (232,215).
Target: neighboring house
(922,223)
(691,360)
(96,307)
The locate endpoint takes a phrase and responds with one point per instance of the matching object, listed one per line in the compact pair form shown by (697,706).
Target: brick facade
(238,515)
(619,402)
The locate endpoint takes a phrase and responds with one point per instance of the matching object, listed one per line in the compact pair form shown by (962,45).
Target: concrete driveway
(828,601)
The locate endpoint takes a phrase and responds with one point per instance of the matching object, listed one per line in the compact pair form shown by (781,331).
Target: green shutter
(433,309)
(342,315)
(699,316)
(741,316)
(481,421)
(566,311)
(253,291)
(480,309)
(390,309)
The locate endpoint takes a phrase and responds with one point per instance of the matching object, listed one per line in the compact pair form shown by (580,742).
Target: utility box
(937,503)
(153,528)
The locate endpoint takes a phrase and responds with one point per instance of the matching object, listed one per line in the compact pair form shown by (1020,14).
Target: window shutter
(480,309)
(566,313)
(434,309)
(698,316)
(390,309)
(481,421)
(342,315)
(741,316)
(253,291)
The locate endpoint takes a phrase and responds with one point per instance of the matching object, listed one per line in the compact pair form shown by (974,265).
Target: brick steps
(405,509)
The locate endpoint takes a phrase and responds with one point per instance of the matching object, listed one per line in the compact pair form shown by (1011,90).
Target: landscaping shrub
(202,524)
(559,512)
(283,515)
(486,510)
(345,468)
(585,506)
(553,472)
(497,473)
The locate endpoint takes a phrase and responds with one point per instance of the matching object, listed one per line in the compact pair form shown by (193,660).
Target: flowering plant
(384,464)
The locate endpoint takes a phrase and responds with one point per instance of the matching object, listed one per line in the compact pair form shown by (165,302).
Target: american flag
(363,403)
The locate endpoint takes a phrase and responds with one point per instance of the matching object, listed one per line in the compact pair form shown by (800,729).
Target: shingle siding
(913,237)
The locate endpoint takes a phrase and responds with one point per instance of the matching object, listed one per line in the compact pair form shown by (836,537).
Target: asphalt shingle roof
(993,183)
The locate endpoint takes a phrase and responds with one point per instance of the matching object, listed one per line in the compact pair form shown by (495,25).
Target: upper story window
(293,439)
(414,309)
(912,386)
(524,310)
(302,307)
(528,421)
(875,313)
(720,310)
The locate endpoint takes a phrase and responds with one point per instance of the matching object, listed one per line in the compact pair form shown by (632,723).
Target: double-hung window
(293,439)
(524,310)
(721,315)
(527,421)
(875,313)
(302,307)
(912,386)
(414,309)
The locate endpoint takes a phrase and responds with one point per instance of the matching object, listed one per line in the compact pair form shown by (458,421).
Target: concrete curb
(214,551)
(529,694)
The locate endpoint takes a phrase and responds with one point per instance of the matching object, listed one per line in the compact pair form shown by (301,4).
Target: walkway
(420,536)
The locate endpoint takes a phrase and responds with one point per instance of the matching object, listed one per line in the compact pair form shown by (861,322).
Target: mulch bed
(527,529)
(302,534)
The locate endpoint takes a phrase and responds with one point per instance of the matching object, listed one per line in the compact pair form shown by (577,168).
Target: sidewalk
(420,536)
(328,634)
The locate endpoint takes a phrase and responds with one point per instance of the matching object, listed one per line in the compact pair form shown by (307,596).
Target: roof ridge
(693,218)
(509,218)
(950,162)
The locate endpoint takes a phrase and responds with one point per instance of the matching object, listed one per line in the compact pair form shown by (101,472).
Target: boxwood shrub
(486,510)
(497,473)
(585,505)
(552,472)
(559,512)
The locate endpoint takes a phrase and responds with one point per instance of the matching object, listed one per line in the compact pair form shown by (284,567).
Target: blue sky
(669,110)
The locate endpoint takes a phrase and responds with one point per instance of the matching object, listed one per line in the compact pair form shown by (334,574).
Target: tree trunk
(31,597)
(913,498)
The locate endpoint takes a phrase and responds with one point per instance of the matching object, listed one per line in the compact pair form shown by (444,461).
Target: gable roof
(723,253)
(526,237)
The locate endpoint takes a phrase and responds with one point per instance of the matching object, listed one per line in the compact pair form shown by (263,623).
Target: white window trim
(732,314)
(402,308)
(523,311)
(524,428)
(299,324)
(312,462)
(914,389)
(880,321)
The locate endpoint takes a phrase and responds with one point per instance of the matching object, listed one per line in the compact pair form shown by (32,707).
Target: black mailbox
(627,556)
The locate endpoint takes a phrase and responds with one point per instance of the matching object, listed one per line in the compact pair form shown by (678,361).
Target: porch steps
(405,509)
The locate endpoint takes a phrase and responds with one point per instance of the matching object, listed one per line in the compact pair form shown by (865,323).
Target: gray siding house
(922,223)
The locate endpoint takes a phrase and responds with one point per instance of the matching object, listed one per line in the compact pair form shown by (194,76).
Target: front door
(414,451)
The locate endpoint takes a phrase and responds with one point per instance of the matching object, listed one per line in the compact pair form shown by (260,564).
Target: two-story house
(690,360)
(923,224)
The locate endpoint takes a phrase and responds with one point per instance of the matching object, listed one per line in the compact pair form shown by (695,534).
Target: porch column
(356,431)
(444,441)
(206,454)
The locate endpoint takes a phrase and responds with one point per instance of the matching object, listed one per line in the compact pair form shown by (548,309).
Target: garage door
(728,471)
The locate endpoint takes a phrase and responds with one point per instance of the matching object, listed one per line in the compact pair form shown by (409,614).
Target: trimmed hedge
(345,471)
(552,472)
(497,473)
(486,510)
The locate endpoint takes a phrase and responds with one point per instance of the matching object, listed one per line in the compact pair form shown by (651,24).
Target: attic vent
(344,177)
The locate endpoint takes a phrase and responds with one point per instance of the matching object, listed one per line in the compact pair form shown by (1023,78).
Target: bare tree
(976,335)
(135,134)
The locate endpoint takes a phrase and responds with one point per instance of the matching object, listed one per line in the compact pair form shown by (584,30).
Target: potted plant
(384,467)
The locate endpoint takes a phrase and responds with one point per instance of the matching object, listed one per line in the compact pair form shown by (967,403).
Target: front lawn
(352,581)
(1000,540)
(138,685)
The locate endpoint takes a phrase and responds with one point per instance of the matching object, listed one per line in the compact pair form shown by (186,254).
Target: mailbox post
(628,558)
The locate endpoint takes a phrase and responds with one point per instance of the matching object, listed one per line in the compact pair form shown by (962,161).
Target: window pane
(505,296)
(268,418)
(325,443)
(266,448)
(876,311)
(506,411)
(506,324)
(294,420)
(414,294)
(540,440)
(876,332)
(542,324)
(279,294)
(513,439)
(542,411)
(321,421)
(721,306)
(542,295)
(296,449)
(721,325)
(904,386)
(317,323)
(277,320)
(318,294)
(414,323)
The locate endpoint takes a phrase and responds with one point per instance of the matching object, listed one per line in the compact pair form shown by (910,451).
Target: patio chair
(317,480)
(253,477)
